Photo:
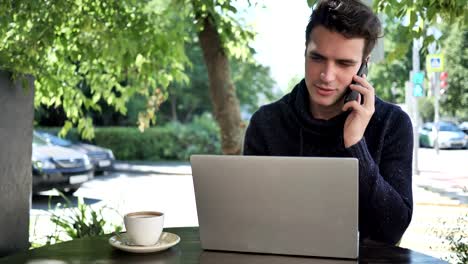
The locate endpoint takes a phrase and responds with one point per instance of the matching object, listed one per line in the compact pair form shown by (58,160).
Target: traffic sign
(435,63)
(418,80)
(418,77)
(418,90)
(444,80)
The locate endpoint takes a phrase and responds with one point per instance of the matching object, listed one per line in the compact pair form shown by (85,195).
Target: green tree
(116,49)
(221,36)
(455,46)
(418,16)
(253,83)
(121,49)
(188,99)
(185,100)
(426,108)
(389,76)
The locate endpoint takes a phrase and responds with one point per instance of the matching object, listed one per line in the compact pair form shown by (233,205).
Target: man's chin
(328,102)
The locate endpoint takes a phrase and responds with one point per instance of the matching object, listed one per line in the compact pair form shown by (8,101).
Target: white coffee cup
(145,227)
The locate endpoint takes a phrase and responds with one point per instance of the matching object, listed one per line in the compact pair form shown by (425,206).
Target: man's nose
(328,73)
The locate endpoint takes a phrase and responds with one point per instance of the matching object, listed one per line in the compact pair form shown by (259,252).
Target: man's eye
(346,64)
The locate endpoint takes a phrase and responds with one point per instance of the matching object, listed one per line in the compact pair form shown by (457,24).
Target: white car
(450,136)
(464,126)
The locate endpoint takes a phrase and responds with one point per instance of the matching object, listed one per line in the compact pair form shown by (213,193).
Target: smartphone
(351,94)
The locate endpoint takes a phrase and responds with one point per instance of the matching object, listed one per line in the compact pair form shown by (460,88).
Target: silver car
(101,158)
(58,167)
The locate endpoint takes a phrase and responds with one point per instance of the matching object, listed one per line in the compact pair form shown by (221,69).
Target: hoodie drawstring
(301,142)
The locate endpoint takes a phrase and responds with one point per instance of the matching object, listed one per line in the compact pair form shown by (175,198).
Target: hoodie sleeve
(385,190)
(254,141)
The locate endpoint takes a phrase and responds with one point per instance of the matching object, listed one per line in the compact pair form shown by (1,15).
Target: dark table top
(98,250)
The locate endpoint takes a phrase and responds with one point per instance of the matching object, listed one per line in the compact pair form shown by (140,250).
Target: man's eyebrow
(316,54)
(345,61)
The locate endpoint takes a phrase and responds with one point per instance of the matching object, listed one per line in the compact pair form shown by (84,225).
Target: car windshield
(57,141)
(37,141)
(448,127)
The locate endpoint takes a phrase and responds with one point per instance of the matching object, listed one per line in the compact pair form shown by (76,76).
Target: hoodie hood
(296,107)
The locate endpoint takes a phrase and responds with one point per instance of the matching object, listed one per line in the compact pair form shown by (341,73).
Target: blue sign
(435,63)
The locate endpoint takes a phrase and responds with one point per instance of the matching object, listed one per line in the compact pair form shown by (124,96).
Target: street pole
(416,68)
(436,109)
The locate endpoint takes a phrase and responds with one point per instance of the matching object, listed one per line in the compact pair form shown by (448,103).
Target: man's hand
(358,119)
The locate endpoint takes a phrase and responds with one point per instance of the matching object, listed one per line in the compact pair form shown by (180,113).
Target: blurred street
(439,199)
(446,173)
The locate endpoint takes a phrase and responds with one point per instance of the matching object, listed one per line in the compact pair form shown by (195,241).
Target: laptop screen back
(280,205)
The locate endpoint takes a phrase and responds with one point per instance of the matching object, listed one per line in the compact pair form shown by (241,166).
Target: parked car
(101,158)
(450,136)
(58,167)
(464,127)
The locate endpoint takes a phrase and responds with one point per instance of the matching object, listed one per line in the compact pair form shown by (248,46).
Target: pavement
(159,167)
(445,174)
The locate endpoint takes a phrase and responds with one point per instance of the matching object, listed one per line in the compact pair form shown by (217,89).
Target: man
(313,119)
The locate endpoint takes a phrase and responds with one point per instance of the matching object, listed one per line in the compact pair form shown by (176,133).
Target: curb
(152,168)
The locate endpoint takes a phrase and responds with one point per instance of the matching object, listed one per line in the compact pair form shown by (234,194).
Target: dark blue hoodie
(286,128)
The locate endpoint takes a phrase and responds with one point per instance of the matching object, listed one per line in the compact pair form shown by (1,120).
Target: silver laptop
(280,205)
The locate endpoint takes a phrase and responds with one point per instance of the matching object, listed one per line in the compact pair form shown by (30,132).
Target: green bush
(172,141)
(73,222)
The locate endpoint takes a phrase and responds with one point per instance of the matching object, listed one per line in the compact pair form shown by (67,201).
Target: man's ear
(367,59)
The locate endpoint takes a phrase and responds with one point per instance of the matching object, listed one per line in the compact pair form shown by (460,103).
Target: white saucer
(122,242)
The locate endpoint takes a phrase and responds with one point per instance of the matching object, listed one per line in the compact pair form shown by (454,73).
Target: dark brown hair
(351,18)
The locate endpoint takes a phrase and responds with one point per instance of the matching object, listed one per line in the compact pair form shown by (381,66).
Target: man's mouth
(324,91)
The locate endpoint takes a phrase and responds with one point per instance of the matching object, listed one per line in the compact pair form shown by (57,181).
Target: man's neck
(325,113)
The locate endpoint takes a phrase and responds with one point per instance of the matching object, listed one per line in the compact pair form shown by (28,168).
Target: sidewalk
(445,173)
(161,167)
(440,202)
(442,174)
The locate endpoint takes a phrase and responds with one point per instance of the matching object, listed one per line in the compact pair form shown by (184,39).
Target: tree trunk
(189,114)
(222,90)
(174,108)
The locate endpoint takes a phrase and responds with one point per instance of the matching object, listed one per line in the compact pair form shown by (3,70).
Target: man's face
(331,62)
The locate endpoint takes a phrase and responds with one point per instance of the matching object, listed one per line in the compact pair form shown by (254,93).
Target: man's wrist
(351,141)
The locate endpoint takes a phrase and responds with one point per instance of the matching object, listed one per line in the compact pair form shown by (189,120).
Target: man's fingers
(367,95)
(363,81)
(362,90)
(355,105)
(366,90)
